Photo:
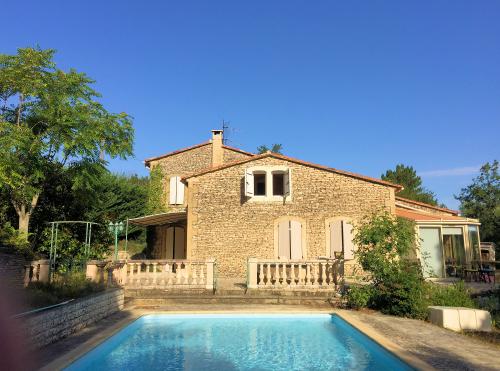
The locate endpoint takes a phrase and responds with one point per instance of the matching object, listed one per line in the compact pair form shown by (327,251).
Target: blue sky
(357,85)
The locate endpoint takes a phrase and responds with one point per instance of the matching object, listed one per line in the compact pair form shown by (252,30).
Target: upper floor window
(176,196)
(268,183)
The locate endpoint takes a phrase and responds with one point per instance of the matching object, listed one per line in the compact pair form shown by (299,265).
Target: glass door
(431,252)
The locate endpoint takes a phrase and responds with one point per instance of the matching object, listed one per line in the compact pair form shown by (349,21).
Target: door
(431,252)
(175,243)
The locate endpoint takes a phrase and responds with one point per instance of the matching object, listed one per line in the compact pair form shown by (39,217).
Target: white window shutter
(287,179)
(335,237)
(249,183)
(180,191)
(173,190)
(296,240)
(284,240)
(348,244)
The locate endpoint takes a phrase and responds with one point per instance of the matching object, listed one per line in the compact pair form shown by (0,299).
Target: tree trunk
(24,220)
(24,214)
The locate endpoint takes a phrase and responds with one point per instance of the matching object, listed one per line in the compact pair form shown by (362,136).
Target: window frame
(269,196)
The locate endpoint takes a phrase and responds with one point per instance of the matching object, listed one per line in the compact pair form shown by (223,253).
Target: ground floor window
(290,240)
(341,239)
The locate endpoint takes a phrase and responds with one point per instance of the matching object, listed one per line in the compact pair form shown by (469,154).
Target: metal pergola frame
(54,235)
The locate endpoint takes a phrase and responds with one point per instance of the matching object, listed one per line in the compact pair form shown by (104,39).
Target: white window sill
(272,199)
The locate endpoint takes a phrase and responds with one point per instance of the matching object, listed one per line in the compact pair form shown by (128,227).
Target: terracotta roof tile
(423,216)
(455,212)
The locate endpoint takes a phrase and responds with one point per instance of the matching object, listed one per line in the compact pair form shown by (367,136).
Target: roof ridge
(291,159)
(148,160)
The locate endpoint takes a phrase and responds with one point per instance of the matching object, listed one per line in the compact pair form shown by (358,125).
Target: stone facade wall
(422,207)
(230,155)
(189,162)
(224,225)
(12,267)
(49,326)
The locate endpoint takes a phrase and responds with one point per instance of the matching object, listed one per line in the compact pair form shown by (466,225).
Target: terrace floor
(428,345)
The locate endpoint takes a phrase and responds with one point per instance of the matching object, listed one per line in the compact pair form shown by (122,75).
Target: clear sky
(356,85)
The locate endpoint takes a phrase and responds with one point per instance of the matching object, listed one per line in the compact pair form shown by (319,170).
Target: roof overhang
(428,218)
(159,219)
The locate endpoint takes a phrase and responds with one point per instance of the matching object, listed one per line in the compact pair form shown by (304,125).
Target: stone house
(231,205)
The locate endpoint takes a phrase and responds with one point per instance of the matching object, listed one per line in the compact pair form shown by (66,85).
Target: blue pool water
(239,342)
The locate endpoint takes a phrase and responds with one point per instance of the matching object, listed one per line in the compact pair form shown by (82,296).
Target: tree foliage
(50,119)
(412,183)
(481,200)
(396,286)
(275,148)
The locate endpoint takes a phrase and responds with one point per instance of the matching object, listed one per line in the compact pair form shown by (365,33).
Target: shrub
(69,286)
(456,295)
(359,296)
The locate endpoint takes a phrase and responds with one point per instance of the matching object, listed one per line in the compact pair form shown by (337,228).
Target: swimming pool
(239,342)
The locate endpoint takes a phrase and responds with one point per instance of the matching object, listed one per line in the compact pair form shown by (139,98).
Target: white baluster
(292,275)
(323,274)
(168,274)
(268,274)
(308,274)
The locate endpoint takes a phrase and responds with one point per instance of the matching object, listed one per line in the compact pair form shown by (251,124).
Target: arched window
(340,239)
(289,238)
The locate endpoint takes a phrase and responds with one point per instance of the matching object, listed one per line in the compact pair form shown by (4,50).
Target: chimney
(217,151)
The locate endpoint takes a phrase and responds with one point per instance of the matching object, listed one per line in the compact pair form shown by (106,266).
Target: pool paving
(427,345)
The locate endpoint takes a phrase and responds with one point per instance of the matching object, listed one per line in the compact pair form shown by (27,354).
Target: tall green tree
(412,183)
(481,200)
(275,148)
(50,119)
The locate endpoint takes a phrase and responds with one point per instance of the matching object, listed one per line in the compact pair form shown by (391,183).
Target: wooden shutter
(335,237)
(284,240)
(249,183)
(179,243)
(180,191)
(173,190)
(296,240)
(348,244)
(169,243)
(287,180)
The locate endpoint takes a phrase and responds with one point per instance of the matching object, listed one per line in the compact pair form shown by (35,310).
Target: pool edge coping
(134,314)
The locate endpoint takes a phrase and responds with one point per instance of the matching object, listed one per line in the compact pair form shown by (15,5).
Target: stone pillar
(252,273)
(217,151)
(210,274)
(92,270)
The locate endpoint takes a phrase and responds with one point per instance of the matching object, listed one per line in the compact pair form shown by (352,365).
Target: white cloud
(467,170)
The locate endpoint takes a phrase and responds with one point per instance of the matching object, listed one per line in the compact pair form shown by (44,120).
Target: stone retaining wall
(12,270)
(49,326)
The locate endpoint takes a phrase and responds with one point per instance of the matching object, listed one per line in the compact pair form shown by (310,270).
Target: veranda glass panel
(454,250)
(474,243)
(431,252)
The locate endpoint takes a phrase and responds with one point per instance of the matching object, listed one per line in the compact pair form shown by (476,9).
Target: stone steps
(157,298)
(233,299)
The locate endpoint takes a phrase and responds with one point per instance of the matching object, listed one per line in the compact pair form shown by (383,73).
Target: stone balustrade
(293,274)
(36,271)
(155,274)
